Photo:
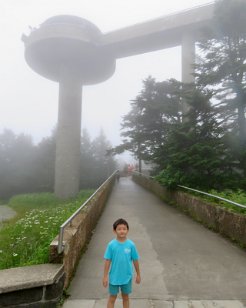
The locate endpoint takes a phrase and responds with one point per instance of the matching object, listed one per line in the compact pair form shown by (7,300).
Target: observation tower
(67,49)
(73,51)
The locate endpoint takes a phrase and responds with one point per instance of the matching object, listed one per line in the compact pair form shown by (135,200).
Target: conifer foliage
(27,168)
(222,69)
(207,148)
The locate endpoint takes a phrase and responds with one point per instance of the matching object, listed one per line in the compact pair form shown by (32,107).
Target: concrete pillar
(67,166)
(188,59)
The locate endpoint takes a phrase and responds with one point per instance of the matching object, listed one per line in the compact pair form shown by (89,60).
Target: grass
(25,240)
(36,200)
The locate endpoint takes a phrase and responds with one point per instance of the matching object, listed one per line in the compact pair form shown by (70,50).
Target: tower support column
(188,59)
(67,166)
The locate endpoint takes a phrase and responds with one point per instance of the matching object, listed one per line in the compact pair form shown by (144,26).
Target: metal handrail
(201,192)
(62,227)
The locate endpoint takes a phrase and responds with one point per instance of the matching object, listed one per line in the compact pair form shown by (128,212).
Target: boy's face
(121,231)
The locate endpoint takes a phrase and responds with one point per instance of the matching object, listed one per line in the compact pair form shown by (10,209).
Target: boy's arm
(138,277)
(106,270)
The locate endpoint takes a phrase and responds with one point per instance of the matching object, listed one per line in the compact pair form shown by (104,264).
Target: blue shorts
(125,288)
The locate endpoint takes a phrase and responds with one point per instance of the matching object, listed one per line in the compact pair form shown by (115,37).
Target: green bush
(238,196)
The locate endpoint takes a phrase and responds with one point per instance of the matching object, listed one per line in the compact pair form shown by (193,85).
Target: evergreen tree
(195,153)
(87,162)
(26,168)
(222,69)
(16,163)
(145,127)
(96,165)
(45,163)
(104,163)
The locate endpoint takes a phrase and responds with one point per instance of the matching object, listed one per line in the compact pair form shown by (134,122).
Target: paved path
(6,213)
(183,264)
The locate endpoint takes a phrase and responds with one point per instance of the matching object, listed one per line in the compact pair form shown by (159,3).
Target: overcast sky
(29,102)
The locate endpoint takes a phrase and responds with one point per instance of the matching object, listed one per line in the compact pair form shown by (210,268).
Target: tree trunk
(242,125)
(139,165)
(242,136)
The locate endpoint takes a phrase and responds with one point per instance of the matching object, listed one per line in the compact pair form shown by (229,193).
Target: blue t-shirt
(121,255)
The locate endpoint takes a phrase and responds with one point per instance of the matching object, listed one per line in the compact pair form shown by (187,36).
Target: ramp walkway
(182,263)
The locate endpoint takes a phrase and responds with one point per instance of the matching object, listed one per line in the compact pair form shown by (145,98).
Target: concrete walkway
(6,213)
(182,263)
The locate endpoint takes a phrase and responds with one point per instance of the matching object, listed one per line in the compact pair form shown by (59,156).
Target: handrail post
(60,241)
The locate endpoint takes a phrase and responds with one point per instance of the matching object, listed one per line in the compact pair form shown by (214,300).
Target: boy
(119,256)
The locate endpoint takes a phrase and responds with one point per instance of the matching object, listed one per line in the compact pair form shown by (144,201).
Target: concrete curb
(26,277)
(148,303)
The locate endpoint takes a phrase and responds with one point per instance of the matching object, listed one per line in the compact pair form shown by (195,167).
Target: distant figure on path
(118,270)
(118,176)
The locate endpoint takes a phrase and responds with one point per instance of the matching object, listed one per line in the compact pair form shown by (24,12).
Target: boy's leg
(113,291)
(125,298)
(126,289)
(111,301)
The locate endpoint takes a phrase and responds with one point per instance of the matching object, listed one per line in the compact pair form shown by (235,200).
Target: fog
(29,102)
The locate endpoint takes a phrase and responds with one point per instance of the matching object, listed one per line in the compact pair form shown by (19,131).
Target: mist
(29,102)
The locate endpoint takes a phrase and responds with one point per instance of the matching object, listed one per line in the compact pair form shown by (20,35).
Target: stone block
(27,277)
(21,297)
(51,304)
(79,303)
(162,304)
(54,291)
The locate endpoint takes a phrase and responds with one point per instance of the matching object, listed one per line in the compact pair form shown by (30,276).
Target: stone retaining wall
(231,225)
(78,233)
(34,286)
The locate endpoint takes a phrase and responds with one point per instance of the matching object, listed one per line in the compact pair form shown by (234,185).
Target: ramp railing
(200,192)
(69,220)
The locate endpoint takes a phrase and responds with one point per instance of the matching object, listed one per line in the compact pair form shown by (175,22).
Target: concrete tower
(73,52)
(67,49)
